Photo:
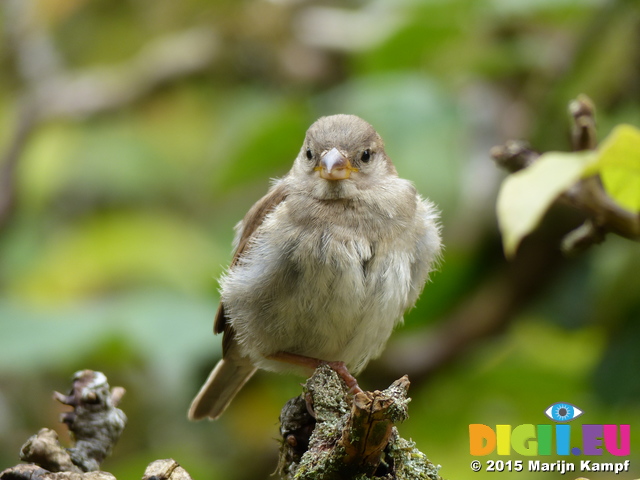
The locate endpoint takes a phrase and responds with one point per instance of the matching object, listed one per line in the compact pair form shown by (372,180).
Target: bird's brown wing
(252,220)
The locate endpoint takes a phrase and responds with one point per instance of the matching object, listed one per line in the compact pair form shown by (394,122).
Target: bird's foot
(301,360)
(341,369)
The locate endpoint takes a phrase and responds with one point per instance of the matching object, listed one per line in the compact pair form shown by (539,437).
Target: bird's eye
(366,156)
(309,154)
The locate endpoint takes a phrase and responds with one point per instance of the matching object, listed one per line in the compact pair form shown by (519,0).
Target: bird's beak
(335,166)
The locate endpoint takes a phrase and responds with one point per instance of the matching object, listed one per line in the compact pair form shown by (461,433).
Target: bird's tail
(224,382)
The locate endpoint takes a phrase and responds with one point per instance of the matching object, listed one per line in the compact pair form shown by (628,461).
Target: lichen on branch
(329,434)
(95,424)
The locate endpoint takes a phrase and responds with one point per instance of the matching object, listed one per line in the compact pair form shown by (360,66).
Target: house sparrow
(326,264)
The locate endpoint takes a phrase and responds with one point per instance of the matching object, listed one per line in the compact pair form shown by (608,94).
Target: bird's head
(340,155)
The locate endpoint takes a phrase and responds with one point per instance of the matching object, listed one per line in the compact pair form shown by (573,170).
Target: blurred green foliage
(124,216)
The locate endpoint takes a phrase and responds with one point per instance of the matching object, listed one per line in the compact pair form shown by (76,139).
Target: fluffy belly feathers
(330,296)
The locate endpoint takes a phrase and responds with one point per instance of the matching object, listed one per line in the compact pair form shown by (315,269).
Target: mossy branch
(327,434)
(95,424)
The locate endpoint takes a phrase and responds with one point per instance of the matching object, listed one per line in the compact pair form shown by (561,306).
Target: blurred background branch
(54,92)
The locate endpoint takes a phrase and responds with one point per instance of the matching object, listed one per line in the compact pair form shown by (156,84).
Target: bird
(325,264)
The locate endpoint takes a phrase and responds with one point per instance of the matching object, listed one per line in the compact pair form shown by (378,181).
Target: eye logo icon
(563,412)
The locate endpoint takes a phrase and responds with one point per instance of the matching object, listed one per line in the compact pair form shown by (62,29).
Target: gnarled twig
(328,436)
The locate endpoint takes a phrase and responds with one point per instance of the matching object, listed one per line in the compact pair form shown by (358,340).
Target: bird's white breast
(332,292)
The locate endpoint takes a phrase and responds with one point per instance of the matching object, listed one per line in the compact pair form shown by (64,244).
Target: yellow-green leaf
(619,162)
(526,195)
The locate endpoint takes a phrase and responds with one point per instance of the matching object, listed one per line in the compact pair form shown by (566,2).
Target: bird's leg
(339,367)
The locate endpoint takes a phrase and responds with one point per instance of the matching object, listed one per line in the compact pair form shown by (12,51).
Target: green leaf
(619,162)
(526,195)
